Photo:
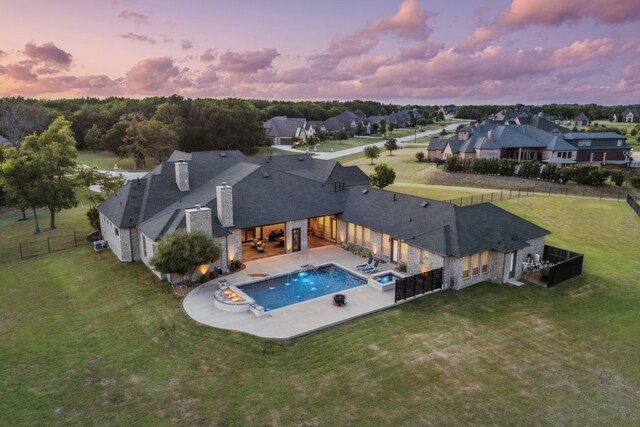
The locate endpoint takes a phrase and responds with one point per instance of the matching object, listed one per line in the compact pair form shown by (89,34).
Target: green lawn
(402,161)
(436,192)
(88,340)
(105,160)
(338,145)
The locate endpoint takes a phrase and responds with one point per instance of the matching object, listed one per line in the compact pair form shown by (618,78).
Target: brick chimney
(198,219)
(224,201)
(182,175)
(490,135)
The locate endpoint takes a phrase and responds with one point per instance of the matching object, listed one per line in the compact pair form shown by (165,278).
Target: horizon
(503,52)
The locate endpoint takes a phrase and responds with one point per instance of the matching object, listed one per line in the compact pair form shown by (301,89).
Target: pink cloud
(3,54)
(370,64)
(207,77)
(151,74)
(138,18)
(480,36)
(208,55)
(409,22)
(247,61)
(582,51)
(138,37)
(523,13)
(186,44)
(20,72)
(48,54)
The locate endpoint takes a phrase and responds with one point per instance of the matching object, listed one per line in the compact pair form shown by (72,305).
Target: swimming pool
(295,287)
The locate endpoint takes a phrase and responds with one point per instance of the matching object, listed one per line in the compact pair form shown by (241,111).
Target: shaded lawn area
(338,145)
(105,160)
(89,340)
(436,192)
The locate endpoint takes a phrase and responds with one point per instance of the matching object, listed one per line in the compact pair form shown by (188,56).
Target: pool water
(301,286)
(387,278)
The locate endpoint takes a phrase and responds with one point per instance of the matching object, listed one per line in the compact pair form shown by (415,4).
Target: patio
(293,320)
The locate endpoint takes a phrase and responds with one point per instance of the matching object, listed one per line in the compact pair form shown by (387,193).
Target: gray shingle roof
(283,126)
(440,227)
(437,144)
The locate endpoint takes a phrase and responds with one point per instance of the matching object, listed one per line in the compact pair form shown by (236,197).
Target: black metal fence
(633,203)
(566,265)
(593,193)
(26,250)
(418,284)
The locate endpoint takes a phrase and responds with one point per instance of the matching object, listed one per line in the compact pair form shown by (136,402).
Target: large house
(283,130)
(525,142)
(301,201)
(630,115)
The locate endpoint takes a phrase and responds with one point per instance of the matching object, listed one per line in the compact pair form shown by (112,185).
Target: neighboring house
(599,147)
(540,122)
(436,147)
(630,115)
(237,199)
(333,126)
(318,126)
(448,110)
(581,120)
(283,130)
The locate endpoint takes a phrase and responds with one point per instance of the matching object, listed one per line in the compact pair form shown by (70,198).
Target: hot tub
(385,281)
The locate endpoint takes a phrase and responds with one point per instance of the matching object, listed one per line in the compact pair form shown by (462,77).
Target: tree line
(556,111)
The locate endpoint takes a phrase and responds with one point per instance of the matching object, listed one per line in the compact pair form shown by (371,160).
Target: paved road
(127,175)
(401,142)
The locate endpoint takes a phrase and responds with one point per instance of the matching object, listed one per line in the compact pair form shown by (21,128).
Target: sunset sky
(412,51)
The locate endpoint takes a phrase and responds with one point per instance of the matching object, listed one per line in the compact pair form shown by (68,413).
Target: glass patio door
(295,240)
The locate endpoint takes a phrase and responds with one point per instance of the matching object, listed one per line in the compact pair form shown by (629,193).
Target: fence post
(566,192)
(500,195)
(583,193)
(518,192)
(491,197)
(48,244)
(600,194)
(75,240)
(460,201)
(21,257)
(510,193)
(482,198)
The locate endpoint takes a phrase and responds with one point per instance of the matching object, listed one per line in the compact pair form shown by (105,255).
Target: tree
(383,126)
(392,126)
(420,156)
(359,128)
(372,152)
(374,128)
(443,132)
(54,150)
(20,176)
(181,252)
(93,138)
(20,117)
(390,145)
(384,175)
(109,184)
(342,135)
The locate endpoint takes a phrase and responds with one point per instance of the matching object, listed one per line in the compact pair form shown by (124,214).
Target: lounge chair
(373,268)
(365,264)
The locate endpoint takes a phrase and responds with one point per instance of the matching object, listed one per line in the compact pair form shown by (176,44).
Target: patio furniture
(339,300)
(372,268)
(260,247)
(365,264)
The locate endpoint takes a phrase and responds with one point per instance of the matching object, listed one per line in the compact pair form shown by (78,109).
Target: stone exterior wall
(375,240)
(234,244)
(119,244)
(224,259)
(152,249)
(182,175)
(224,200)
(198,219)
(303,224)
(413,260)
(342,232)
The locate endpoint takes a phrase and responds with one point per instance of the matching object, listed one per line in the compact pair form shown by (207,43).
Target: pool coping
(297,319)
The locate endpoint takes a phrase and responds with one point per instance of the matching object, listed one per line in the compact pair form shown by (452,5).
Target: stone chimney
(182,175)
(198,219)
(490,135)
(224,200)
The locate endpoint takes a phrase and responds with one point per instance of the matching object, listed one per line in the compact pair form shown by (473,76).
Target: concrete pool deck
(293,320)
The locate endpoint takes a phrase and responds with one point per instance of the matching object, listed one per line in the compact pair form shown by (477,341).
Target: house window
(116,230)
(404,252)
(584,143)
(619,143)
(569,154)
(144,245)
(476,264)
(485,261)
(358,239)
(367,238)
(351,233)
(386,244)
(467,266)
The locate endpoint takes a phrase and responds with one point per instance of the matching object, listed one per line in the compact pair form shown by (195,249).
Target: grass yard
(88,340)
(105,160)
(402,161)
(337,145)
(436,192)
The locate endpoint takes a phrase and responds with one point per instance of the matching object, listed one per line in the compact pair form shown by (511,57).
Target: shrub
(213,274)
(550,172)
(635,182)
(508,167)
(402,266)
(420,156)
(204,278)
(617,177)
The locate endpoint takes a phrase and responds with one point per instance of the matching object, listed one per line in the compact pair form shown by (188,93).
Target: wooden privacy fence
(42,247)
(566,265)
(633,203)
(418,284)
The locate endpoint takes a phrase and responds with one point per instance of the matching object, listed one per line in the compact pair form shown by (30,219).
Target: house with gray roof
(283,130)
(295,202)
(581,120)
(630,115)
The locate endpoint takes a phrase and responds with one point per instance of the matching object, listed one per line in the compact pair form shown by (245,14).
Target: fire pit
(233,300)
(339,300)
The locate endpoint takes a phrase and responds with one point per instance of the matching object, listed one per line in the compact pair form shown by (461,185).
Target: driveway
(126,175)
(402,141)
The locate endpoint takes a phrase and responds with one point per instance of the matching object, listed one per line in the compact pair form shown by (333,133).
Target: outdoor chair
(365,264)
(372,268)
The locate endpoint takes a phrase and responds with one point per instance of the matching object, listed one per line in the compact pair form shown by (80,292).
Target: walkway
(294,320)
(401,141)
